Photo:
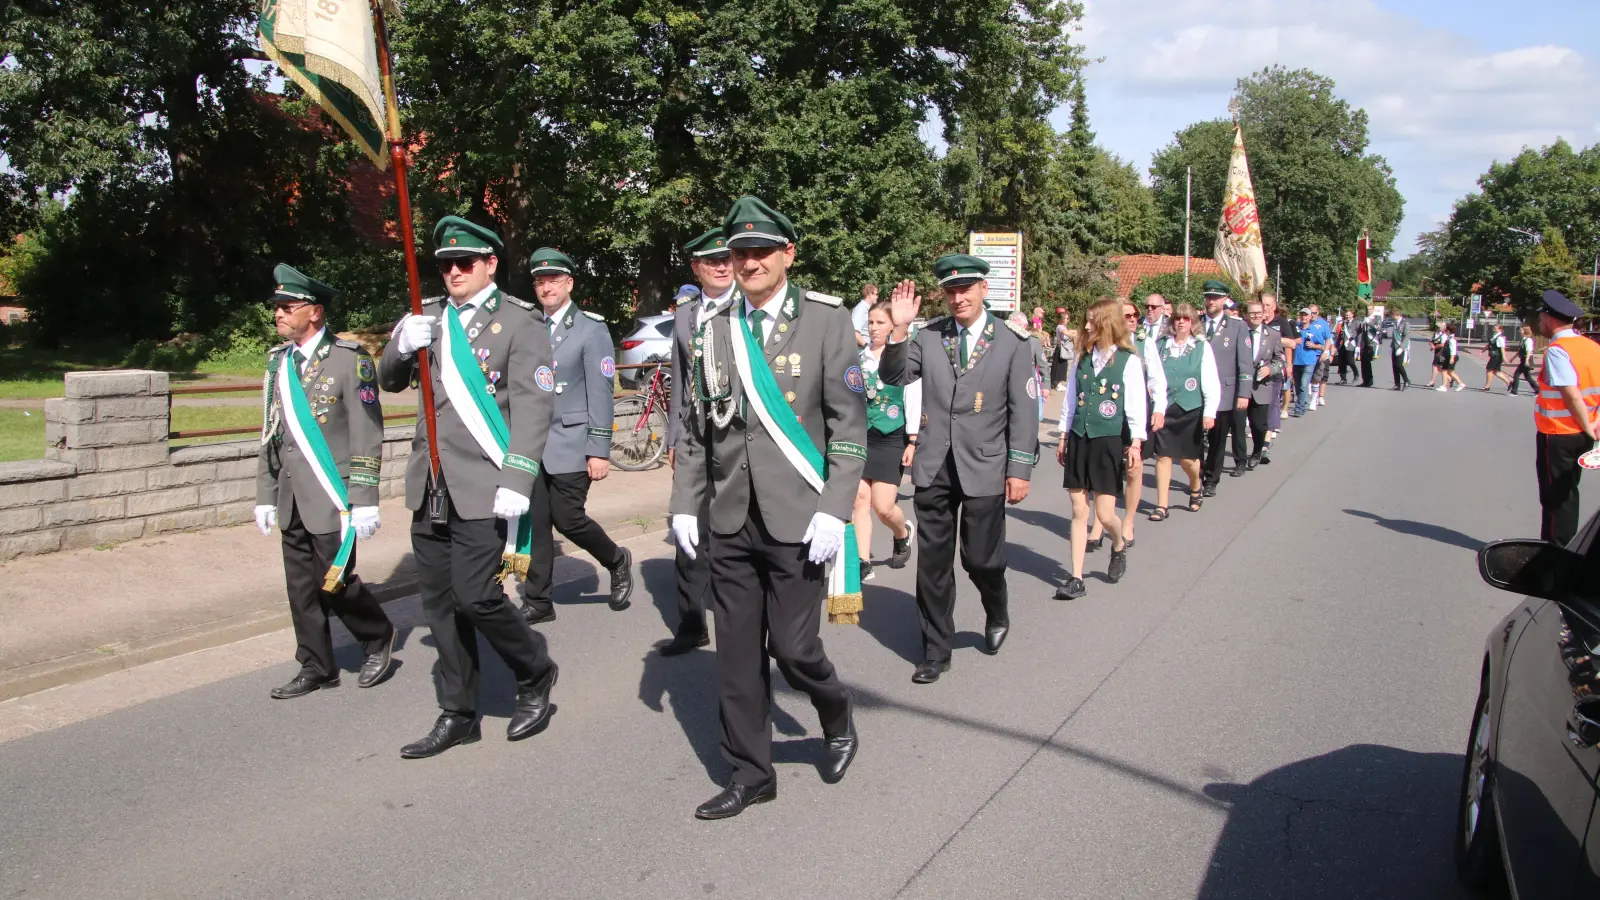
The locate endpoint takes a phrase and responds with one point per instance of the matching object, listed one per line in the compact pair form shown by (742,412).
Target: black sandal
(1158,514)
(1195,502)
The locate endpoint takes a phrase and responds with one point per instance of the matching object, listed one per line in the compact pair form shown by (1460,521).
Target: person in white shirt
(1155,376)
(1497,360)
(1102,429)
(858,316)
(1195,392)
(894,416)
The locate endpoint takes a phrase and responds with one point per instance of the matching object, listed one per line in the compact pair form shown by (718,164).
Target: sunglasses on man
(464,263)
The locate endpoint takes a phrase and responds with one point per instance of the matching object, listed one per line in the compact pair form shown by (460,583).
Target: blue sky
(1449,86)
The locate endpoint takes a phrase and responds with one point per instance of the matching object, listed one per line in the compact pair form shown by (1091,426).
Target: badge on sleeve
(1033,388)
(369,396)
(608,367)
(545,379)
(854,380)
(364,368)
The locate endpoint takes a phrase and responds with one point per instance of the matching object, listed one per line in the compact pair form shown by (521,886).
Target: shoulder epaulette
(827,299)
(350,345)
(1020,330)
(519,302)
(935,322)
(281,347)
(432,300)
(595,316)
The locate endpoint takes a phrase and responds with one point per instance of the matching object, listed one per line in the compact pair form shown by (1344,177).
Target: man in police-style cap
(775,445)
(1569,395)
(976,449)
(712,264)
(578,451)
(317,478)
(494,389)
(1230,345)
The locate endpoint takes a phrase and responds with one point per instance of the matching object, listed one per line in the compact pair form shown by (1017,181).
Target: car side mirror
(1531,567)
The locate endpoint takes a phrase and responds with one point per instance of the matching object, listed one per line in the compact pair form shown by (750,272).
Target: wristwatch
(911,439)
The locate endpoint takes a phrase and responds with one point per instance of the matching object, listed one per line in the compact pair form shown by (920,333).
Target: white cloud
(1442,107)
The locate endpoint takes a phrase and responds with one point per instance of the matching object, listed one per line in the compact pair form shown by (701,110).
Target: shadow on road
(1422,529)
(891,617)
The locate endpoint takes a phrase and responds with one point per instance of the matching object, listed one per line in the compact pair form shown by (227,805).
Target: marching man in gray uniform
(578,452)
(712,264)
(978,445)
(493,388)
(775,446)
(317,478)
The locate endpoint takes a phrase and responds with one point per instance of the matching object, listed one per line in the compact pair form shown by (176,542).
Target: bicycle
(639,425)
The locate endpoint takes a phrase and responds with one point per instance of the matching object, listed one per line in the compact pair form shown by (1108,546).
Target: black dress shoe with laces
(993,636)
(533,708)
(1208,490)
(304,684)
(839,750)
(538,613)
(376,665)
(733,800)
(902,549)
(448,731)
(682,643)
(622,581)
(929,672)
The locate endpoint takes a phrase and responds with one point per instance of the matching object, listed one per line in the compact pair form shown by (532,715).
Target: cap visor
(286,297)
(960,280)
(757,240)
(551,270)
(444,252)
(719,253)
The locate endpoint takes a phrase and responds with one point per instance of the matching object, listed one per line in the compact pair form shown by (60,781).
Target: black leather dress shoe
(375,666)
(1208,490)
(838,751)
(1252,460)
(683,643)
(533,708)
(993,637)
(301,685)
(447,732)
(733,800)
(929,672)
(1236,472)
(538,614)
(622,581)
(1118,566)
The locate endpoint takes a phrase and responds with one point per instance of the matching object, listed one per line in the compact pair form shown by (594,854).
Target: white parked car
(650,341)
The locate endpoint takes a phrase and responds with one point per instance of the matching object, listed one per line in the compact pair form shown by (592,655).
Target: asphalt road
(1272,704)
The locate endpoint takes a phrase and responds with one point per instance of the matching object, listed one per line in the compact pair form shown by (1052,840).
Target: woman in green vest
(893,415)
(1195,391)
(1102,429)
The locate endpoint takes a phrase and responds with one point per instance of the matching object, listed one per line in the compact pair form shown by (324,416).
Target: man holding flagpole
(317,479)
(775,444)
(490,361)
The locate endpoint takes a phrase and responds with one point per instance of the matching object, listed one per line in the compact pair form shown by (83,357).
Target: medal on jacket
(778,364)
(794,364)
(977,402)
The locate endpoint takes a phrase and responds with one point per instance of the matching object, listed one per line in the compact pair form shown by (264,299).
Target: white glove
(825,534)
(364,519)
(687,531)
(509,504)
(266,517)
(414,333)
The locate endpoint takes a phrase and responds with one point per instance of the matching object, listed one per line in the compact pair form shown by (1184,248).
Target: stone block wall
(108,475)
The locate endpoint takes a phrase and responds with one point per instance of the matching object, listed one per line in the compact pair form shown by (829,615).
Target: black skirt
(1096,464)
(884,452)
(1496,361)
(1183,434)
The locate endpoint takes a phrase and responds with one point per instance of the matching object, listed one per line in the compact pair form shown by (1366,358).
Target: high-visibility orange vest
(1552,415)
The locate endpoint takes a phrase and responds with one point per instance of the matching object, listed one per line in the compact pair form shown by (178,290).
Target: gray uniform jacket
(1400,337)
(820,375)
(513,333)
(684,321)
(1231,349)
(584,366)
(1270,354)
(341,388)
(987,414)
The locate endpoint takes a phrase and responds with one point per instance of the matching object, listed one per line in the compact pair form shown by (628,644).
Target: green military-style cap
(1215,288)
(295,286)
(711,245)
(956,269)
(752,223)
(550,261)
(455,236)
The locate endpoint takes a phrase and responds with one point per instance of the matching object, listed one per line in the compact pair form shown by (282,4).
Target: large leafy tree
(1317,185)
(1543,204)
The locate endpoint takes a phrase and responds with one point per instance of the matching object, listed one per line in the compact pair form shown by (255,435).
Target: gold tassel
(514,564)
(333,582)
(844,609)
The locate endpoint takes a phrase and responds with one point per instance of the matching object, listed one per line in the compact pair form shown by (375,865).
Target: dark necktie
(758,320)
(962,337)
(299,361)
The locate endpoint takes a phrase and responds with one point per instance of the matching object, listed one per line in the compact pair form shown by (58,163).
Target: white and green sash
(762,393)
(307,434)
(473,398)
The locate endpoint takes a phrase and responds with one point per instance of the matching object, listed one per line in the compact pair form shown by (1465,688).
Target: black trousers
(1257,415)
(456,567)
(1401,376)
(1346,361)
(558,501)
(306,558)
(1556,466)
(694,585)
(1524,371)
(1230,421)
(1366,367)
(943,508)
(768,602)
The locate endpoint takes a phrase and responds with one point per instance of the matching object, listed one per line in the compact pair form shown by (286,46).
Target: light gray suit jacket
(1235,369)
(341,388)
(741,461)
(517,345)
(584,366)
(987,414)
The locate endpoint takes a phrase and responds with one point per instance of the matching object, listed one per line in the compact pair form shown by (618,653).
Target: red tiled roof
(1135,268)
